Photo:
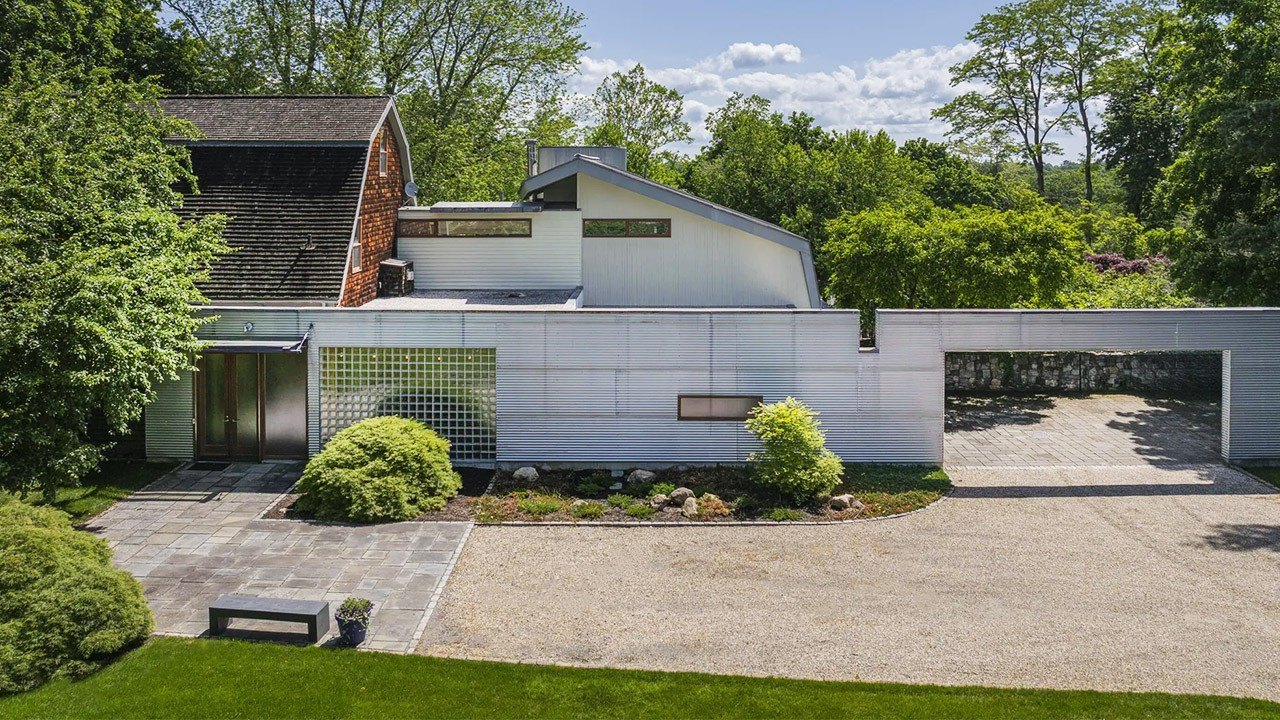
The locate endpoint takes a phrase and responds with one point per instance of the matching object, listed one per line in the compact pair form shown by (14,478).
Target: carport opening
(1021,409)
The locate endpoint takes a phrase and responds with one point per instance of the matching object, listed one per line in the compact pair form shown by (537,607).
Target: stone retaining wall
(1194,373)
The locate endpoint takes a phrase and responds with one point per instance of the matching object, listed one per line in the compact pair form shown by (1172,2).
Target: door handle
(229,419)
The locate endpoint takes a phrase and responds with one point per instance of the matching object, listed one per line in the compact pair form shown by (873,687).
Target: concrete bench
(314,613)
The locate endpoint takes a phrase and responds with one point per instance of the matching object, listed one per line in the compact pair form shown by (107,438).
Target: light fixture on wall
(248,327)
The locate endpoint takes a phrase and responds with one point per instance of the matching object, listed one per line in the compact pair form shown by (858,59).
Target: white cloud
(896,93)
(749,55)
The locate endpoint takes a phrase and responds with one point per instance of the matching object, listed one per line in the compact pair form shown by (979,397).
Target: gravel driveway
(1140,577)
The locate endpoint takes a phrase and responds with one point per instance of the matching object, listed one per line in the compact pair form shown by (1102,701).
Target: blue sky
(866,65)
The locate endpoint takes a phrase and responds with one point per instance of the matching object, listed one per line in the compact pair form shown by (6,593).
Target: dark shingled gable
(274,198)
(281,118)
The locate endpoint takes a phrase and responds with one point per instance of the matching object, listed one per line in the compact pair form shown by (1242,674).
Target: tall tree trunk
(1088,152)
(1038,162)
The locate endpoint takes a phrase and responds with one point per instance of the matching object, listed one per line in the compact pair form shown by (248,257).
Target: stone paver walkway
(1097,430)
(195,535)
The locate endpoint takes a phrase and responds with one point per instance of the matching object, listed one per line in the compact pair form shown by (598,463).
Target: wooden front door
(229,410)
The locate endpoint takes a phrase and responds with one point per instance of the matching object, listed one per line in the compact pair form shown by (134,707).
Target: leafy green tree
(97,273)
(975,257)
(1094,289)
(1227,175)
(952,180)
(634,112)
(1016,111)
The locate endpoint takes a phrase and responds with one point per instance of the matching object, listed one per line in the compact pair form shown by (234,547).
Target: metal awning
(257,345)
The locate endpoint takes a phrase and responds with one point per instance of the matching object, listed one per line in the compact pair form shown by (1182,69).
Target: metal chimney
(531,157)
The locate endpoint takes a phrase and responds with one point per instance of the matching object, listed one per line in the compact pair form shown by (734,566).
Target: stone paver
(195,535)
(1155,574)
(1105,430)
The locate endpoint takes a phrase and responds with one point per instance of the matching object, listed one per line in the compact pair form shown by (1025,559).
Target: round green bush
(382,469)
(795,462)
(64,611)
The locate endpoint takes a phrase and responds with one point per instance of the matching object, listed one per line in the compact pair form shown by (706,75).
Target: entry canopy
(258,345)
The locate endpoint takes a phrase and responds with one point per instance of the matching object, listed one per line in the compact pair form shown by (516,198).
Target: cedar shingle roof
(281,118)
(275,197)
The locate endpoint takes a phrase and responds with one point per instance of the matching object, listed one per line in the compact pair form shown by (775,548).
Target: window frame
(357,254)
(680,416)
(382,154)
(627,232)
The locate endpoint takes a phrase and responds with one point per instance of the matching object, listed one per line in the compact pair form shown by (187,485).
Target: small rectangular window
(650,227)
(716,407)
(382,154)
(417,228)
(486,228)
(355,248)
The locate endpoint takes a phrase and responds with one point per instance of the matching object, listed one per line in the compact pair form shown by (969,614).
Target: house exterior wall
(550,259)
(599,386)
(379,206)
(703,264)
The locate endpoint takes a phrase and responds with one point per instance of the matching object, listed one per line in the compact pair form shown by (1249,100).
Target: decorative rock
(690,507)
(679,495)
(616,486)
(845,502)
(578,503)
(640,476)
(526,474)
(658,500)
(670,510)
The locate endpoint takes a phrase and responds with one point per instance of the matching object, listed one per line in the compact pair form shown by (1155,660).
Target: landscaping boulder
(679,495)
(640,476)
(616,486)
(658,500)
(526,474)
(690,507)
(845,502)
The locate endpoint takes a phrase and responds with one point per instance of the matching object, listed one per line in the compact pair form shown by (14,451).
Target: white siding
(170,421)
(703,264)
(552,258)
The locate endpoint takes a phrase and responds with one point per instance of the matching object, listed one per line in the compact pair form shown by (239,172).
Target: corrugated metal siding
(702,264)
(169,420)
(552,258)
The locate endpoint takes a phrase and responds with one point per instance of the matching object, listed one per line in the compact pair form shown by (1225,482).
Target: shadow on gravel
(969,413)
(1242,538)
(1173,431)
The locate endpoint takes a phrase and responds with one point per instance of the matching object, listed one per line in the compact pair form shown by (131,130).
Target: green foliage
(640,511)
(355,609)
(539,504)
(953,181)
(381,469)
(781,514)
(795,462)
(64,611)
(975,257)
(631,111)
(99,273)
(662,488)
(620,500)
(1152,289)
(590,510)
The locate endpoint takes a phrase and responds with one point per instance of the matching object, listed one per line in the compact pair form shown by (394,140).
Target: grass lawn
(1269,474)
(178,678)
(112,481)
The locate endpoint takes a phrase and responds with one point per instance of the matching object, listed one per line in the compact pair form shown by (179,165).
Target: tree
(97,273)
(1015,113)
(954,181)
(976,257)
(630,110)
(1227,175)
(1087,36)
(123,35)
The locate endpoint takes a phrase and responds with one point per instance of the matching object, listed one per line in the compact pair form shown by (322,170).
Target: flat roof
(548,299)
(484,207)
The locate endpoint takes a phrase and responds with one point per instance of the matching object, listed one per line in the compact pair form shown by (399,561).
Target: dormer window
(382,154)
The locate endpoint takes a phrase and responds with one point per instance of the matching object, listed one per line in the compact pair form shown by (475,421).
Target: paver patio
(1149,575)
(195,535)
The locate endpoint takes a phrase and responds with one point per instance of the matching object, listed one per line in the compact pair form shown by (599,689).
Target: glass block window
(452,390)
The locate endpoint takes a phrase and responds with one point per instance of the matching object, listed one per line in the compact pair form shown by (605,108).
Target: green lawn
(178,678)
(1269,474)
(112,481)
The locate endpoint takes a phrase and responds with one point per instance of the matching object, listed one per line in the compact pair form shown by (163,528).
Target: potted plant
(353,619)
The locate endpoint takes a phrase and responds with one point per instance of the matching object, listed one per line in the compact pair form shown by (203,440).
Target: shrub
(489,509)
(662,488)
(591,510)
(620,500)
(64,611)
(382,469)
(641,511)
(355,609)
(784,515)
(537,504)
(711,506)
(589,488)
(795,462)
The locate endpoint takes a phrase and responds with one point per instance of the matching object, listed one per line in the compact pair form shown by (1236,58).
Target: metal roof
(689,203)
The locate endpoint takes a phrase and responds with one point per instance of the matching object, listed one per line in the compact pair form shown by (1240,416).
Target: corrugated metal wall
(597,386)
(552,258)
(170,421)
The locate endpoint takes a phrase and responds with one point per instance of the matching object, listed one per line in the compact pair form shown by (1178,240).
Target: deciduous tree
(633,111)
